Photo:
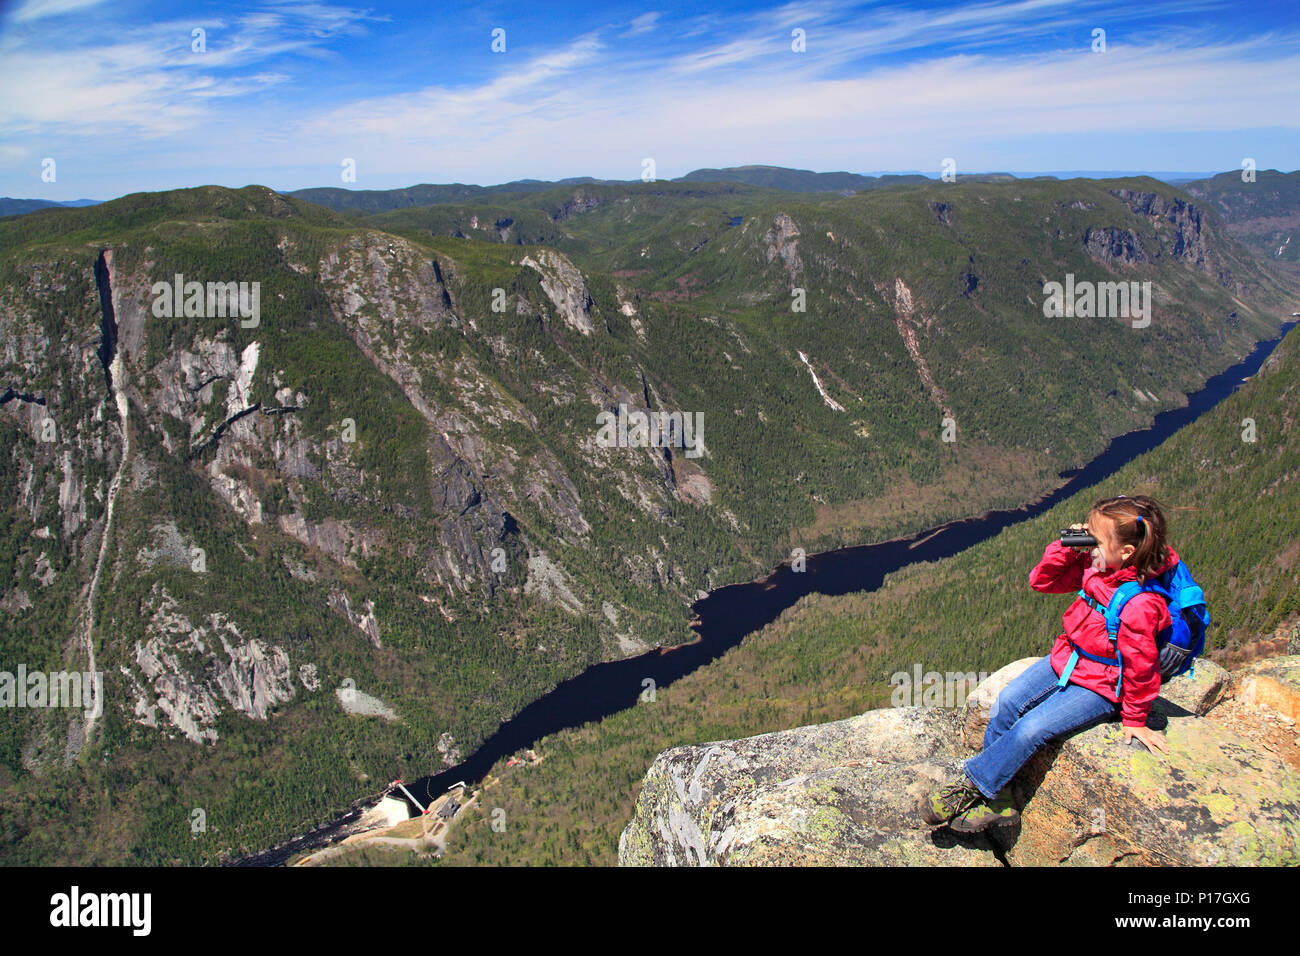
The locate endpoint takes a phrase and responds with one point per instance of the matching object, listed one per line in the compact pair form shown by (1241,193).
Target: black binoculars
(1073,538)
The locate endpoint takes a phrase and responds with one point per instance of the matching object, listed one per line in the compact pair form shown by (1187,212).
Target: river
(729,613)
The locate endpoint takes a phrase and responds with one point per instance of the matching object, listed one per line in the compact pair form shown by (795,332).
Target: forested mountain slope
(1234,516)
(1263,212)
(381,490)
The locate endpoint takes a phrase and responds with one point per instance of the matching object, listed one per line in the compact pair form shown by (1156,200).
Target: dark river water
(727,614)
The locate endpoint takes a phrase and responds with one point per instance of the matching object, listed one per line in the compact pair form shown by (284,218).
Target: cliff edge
(846,792)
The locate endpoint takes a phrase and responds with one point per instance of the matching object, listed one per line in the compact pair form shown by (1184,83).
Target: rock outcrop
(1113,244)
(783,243)
(847,792)
(908,320)
(564,286)
(360,704)
(1272,684)
(362,618)
(187,670)
(1183,232)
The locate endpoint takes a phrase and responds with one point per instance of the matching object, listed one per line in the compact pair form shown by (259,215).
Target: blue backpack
(1178,644)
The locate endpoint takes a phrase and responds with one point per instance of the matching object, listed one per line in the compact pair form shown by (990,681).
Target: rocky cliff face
(388,479)
(847,792)
(186,674)
(244,454)
(782,242)
(564,286)
(1182,232)
(1112,244)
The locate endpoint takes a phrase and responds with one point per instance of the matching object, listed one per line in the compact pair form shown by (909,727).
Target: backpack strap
(1092,602)
(1118,661)
(1121,597)
(1112,615)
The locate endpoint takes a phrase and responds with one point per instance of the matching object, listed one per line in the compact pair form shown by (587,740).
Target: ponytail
(1140,522)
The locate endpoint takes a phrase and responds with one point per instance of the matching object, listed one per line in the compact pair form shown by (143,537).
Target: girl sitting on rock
(1068,690)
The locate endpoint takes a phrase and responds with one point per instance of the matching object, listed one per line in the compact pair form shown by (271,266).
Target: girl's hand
(1152,738)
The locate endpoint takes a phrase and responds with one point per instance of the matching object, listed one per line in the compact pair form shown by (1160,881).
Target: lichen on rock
(847,792)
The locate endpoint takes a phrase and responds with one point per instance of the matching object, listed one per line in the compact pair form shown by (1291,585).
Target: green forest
(1233,510)
(474,433)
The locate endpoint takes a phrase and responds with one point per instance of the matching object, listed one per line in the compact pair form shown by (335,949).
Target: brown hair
(1139,522)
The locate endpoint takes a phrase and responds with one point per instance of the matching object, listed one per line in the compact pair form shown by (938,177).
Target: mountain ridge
(829,658)
(384,483)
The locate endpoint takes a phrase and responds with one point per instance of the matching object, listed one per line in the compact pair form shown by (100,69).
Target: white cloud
(39,9)
(74,94)
(146,80)
(881,88)
(540,86)
(579,108)
(642,24)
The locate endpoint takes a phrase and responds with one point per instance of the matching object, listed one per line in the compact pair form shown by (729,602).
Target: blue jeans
(1029,712)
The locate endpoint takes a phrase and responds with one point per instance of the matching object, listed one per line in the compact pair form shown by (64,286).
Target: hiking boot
(998,812)
(938,808)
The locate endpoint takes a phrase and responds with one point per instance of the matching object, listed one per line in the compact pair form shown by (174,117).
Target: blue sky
(286,91)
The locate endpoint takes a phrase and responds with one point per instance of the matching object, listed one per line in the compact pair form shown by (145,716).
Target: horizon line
(1161,174)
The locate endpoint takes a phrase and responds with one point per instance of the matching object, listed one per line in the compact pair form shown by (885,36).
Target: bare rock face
(360,704)
(831,794)
(1219,798)
(1199,690)
(188,671)
(402,286)
(546,482)
(549,583)
(447,747)
(15,602)
(1272,684)
(472,527)
(256,677)
(782,243)
(167,547)
(1115,245)
(190,381)
(846,793)
(909,321)
(564,286)
(582,201)
(1182,228)
(338,539)
(361,617)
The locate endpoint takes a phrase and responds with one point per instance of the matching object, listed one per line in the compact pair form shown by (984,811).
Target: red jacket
(1063,570)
